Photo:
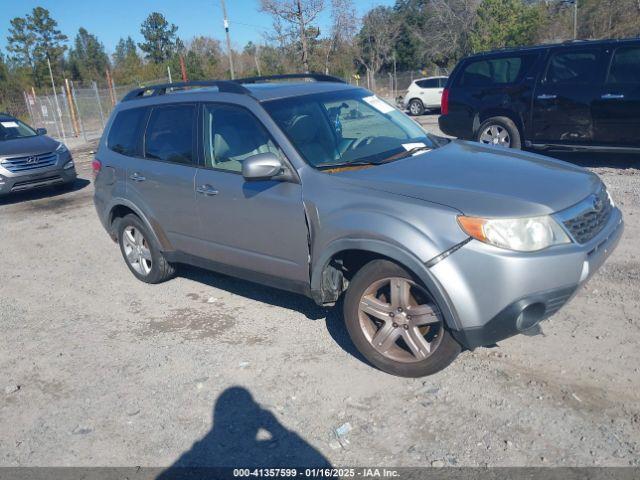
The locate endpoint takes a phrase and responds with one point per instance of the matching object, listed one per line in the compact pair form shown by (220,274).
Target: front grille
(29,162)
(594,212)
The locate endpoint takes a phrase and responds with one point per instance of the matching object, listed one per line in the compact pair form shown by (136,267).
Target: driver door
(256,227)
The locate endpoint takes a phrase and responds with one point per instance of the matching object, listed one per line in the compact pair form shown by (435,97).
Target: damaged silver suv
(322,188)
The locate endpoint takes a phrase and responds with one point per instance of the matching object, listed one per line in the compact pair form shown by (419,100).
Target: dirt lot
(97,368)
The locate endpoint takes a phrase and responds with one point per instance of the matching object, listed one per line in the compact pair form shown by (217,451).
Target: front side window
(123,134)
(170,134)
(578,67)
(625,66)
(496,71)
(346,127)
(232,134)
(11,128)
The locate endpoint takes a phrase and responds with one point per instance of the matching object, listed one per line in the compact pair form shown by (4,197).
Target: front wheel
(395,323)
(499,131)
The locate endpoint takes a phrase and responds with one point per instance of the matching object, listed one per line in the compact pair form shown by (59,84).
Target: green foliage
(505,23)
(161,42)
(34,38)
(87,59)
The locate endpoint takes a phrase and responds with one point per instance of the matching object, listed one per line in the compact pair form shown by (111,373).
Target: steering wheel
(362,141)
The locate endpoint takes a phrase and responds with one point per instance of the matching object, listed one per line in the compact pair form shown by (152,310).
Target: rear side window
(431,83)
(495,71)
(577,67)
(170,134)
(625,66)
(123,134)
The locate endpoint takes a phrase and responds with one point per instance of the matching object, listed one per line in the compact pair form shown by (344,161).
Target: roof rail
(155,90)
(318,77)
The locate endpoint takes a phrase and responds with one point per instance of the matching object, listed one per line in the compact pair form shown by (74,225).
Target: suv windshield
(11,128)
(348,127)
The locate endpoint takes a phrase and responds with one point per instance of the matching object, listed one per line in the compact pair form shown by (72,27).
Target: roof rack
(318,77)
(155,90)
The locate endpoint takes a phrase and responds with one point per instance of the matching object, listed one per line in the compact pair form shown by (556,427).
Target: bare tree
(376,40)
(444,34)
(344,26)
(299,13)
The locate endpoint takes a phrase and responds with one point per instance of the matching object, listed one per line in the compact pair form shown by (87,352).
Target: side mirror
(263,166)
(41,131)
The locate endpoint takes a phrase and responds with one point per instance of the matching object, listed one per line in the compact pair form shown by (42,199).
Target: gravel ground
(97,368)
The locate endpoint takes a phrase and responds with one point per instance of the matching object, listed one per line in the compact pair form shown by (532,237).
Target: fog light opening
(530,316)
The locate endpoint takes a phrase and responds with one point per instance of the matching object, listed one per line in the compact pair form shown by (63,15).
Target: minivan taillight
(96,166)
(444,104)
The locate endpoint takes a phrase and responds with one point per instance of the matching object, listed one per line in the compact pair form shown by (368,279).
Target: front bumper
(37,178)
(499,293)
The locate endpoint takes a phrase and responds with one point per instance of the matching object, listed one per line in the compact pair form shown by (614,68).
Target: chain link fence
(77,113)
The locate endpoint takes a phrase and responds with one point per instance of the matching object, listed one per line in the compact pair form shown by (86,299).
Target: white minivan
(424,94)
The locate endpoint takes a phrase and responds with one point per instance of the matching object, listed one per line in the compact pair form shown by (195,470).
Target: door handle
(612,96)
(136,177)
(547,96)
(207,190)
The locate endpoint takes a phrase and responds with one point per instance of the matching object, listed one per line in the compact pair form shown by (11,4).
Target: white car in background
(424,94)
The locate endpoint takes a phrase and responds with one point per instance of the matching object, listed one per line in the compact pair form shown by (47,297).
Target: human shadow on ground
(244,435)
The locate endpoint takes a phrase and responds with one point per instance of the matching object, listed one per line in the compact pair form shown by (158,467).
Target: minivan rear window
(124,132)
(495,71)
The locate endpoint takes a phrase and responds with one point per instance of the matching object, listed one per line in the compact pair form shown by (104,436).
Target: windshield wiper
(392,158)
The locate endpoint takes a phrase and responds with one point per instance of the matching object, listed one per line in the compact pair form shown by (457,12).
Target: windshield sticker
(411,146)
(9,124)
(378,104)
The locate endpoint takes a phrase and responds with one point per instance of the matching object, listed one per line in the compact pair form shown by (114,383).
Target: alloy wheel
(496,135)
(136,250)
(400,320)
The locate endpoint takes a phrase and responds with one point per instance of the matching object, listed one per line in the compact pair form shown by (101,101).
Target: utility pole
(226,31)
(575,19)
(55,96)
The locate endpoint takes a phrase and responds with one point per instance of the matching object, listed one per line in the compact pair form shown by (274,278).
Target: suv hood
(27,146)
(482,181)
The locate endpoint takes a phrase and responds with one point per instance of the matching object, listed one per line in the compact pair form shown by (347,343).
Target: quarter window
(169,135)
(625,66)
(124,132)
(232,134)
(573,67)
(496,71)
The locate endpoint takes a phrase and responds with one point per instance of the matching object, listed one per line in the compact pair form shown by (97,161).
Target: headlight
(68,165)
(62,148)
(521,234)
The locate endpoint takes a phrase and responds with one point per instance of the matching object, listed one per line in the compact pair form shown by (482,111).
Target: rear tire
(416,107)
(499,131)
(140,253)
(403,335)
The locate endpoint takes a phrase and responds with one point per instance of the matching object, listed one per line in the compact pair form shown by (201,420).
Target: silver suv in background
(323,189)
(29,159)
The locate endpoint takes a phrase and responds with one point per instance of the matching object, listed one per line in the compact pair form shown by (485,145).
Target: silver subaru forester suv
(322,188)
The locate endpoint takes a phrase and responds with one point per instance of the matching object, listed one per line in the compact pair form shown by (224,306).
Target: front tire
(140,253)
(416,107)
(500,132)
(395,323)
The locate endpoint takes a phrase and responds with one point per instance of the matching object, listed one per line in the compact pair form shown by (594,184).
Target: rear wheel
(416,107)
(395,323)
(142,256)
(499,131)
